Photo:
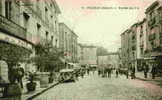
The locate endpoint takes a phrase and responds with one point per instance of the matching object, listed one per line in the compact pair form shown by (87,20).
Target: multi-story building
(154,28)
(25,23)
(144,40)
(133,44)
(110,58)
(68,42)
(88,54)
(130,46)
(125,47)
(40,18)
(79,52)
(141,39)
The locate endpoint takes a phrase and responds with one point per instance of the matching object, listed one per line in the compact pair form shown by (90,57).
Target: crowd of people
(128,71)
(103,71)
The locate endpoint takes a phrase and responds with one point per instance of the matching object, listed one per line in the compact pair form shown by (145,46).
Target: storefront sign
(13,40)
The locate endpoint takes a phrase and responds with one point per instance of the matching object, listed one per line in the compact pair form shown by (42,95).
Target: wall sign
(13,40)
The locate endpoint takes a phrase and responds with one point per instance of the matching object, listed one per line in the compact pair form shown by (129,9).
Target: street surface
(93,87)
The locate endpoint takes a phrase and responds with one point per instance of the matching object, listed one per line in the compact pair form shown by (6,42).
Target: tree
(47,57)
(13,55)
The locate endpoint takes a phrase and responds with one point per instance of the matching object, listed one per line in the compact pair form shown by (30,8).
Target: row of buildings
(25,23)
(142,42)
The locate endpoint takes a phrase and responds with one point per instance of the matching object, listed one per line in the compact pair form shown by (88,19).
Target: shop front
(12,51)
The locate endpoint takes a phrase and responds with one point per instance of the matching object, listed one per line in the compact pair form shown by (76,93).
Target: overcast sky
(101,26)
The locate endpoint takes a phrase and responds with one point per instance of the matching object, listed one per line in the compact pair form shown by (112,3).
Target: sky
(100,22)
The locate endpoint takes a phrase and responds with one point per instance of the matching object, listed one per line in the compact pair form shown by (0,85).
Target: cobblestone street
(93,87)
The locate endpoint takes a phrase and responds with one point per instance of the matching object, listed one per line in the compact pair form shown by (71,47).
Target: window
(56,42)
(50,5)
(26,20)
(38,28)
(46,9)
(8,9)
(46,35)
(52,39)
(46,15)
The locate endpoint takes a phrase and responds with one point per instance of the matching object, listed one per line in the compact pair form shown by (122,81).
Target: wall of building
(147,39)
(88,55)
(153,16)
(20,25)
(68,42)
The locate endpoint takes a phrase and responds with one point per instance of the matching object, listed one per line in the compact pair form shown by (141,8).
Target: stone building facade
(25,23)
(88,54)
(142,43)
(154,28)
(68,42)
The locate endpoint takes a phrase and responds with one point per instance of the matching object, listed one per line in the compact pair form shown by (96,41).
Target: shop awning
(62,59)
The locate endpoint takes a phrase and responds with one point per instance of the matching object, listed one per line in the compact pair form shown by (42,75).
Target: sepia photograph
(80,49)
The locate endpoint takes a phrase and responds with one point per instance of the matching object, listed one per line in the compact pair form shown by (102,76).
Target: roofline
(88,46)
(57,7)
(64,25)
(153,5)
(125,31)
(69,28)
(141,22)
(135,24)
(74,33)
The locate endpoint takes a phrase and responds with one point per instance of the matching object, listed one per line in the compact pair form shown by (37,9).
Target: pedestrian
(88,71)
(104,72)
(153,71)
(109,72)
(117,72)
(133,73)
(99,71)
(146,69)
(127,73)
(20,75)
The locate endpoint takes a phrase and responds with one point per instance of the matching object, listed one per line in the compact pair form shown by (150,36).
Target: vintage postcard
(80,49)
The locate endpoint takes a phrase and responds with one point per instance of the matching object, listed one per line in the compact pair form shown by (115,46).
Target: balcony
(151,37)
(12,28)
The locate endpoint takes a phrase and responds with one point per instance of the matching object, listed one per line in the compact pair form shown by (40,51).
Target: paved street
(93,87)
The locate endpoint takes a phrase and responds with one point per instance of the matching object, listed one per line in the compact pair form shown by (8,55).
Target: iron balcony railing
(12,28)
